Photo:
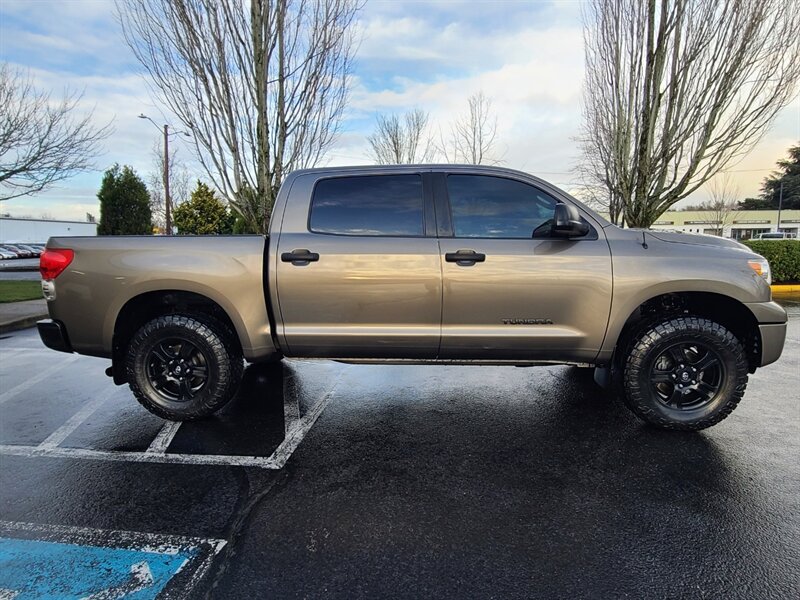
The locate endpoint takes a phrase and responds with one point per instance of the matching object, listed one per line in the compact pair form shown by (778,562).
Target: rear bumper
(54,335)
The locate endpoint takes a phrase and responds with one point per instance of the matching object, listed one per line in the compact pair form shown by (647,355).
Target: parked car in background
(35,252)
(776,235)
(6,254)
(19,252)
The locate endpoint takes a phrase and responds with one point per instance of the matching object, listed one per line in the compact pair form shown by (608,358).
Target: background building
(39,230)
(739,225)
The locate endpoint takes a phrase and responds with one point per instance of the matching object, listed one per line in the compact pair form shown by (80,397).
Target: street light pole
(167,197)
(780,205)
(167,200)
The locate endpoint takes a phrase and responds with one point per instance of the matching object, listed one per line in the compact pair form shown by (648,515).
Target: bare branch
(179,182)
(472,135)
(42,141)
(721,207)
(678,90)
(402,139)
(262,85)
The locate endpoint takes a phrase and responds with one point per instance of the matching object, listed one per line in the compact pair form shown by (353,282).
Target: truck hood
(696,239)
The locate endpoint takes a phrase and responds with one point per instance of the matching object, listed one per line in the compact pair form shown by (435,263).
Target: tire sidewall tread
(651,341)
(217,343)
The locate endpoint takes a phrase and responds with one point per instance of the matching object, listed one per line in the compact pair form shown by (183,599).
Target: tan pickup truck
(423,265)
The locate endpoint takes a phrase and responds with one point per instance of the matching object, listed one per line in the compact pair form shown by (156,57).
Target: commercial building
(39,230)
(739,225)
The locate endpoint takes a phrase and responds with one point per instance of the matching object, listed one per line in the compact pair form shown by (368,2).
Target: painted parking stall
(67,410)
(260,381)
(40,561)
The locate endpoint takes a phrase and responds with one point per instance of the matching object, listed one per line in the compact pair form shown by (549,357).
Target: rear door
(506,294)
(358,272)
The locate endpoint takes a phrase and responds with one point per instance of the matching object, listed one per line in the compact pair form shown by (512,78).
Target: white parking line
(139,457)
(301,427)
(21,387)
(63,432)
(156,453)
(164,438)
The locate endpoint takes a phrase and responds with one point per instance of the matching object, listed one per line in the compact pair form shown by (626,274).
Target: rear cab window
(372,205)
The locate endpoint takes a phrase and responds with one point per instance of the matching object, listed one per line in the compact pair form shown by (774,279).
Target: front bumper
(772,322)
(773,336)
(54,335)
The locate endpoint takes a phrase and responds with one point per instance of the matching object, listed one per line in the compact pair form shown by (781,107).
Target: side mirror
(567,222)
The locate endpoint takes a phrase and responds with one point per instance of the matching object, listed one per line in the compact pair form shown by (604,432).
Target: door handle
(300,257)
(465,258)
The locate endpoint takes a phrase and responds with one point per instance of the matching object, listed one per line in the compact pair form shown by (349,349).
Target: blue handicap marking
(36,569)
(96,564)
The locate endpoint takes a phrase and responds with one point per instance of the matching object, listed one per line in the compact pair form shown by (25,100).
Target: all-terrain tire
(654,355)
(183,367)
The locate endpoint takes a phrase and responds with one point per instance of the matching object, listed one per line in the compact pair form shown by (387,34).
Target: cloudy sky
(526,56)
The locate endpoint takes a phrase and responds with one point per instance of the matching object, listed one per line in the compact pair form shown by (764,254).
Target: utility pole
(780,205)
(167,200)
(167,197)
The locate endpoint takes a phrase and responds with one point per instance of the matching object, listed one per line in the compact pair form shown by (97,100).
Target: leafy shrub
(783,257)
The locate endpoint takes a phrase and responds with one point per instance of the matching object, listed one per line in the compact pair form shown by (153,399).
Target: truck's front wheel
(686,373)
(183,367)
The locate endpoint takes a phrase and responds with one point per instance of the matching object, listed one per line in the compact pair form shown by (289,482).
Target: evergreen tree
(124,203)
(788,173)
(203,214)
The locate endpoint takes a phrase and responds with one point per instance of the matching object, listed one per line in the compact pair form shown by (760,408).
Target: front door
(358,270)
(508,295)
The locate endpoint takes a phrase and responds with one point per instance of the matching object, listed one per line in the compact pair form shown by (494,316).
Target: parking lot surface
(20,268)
(328,480)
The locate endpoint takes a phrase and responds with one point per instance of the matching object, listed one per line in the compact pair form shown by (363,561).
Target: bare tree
(721,206)
(261,84)
(472,135)
(179,182)
(399,140)
(595,195)
(42,140)
(677,90)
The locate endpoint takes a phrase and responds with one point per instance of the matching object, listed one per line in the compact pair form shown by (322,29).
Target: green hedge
(783,257)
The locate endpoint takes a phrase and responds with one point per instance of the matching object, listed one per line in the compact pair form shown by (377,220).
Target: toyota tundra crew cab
(425,265)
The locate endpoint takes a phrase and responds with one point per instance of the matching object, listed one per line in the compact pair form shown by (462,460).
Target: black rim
(687,376)
(177,369)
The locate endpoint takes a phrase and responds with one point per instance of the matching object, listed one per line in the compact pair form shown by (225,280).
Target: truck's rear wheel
(686,373)
(183,367)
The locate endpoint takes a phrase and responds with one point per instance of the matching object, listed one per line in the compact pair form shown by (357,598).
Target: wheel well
(728,312)
(145,307)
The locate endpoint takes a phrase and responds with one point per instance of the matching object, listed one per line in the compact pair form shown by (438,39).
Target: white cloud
(533,77)
(528,57)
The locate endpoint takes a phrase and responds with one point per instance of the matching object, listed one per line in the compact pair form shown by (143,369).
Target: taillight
(53,261)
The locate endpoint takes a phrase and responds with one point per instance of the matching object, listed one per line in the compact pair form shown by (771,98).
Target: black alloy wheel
(184,367)
(177,369)
(685,373)
(687,376)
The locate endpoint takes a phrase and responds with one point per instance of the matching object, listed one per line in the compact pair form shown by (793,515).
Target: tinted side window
(388,205)
(492,207)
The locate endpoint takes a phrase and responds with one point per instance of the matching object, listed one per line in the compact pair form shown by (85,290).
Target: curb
(15,269)
(785,288)
(21,323)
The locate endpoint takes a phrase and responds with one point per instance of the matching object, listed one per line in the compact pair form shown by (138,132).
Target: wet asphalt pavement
(20,268)
(446,482)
